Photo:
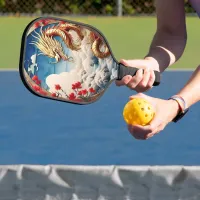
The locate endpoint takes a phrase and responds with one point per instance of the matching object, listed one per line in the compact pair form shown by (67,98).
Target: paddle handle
(123,71)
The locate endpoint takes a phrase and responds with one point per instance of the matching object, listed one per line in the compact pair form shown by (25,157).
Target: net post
(119,8)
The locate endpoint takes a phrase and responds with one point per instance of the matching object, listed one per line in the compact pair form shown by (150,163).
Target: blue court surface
(34,130)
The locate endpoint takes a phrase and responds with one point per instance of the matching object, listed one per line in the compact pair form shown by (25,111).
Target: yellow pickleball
(138,111)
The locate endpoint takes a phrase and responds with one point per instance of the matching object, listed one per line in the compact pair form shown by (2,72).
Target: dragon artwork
(66,61)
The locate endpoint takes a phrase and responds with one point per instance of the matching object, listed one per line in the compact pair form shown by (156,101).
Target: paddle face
(66,61)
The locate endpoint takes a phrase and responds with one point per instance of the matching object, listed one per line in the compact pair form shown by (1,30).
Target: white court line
(8,70)
(181,69)
(170,70)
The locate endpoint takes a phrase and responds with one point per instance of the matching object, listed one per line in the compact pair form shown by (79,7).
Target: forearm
(191,91)
(169,41)
(172,46)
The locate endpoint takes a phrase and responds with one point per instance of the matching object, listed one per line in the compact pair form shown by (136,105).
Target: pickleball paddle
(68,61)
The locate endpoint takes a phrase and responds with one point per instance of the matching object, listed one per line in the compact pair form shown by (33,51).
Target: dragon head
(49,46)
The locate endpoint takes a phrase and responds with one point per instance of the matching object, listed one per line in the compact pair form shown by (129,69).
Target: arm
(166,48)
(191,91)
(170,38)
(167,110)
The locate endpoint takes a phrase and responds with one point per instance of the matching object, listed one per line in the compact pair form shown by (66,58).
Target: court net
(60,182)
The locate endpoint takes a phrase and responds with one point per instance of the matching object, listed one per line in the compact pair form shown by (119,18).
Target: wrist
(179,107)
(175,107)
(153,63)
(163,56)
(181,101)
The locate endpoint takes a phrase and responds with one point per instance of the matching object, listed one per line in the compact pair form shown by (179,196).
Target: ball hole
(146,115)
(142,109)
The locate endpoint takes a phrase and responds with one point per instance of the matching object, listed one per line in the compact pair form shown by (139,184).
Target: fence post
(119,8)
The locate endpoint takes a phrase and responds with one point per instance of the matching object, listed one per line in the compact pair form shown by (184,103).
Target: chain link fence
(80,7)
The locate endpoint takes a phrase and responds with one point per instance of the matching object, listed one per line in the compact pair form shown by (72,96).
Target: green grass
(129,38)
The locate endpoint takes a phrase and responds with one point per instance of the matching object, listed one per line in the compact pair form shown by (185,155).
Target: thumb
(154,127)
(150,129)
(134,63)
(155,123)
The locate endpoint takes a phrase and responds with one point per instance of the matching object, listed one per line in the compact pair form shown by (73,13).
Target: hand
(141,82)
(166,111)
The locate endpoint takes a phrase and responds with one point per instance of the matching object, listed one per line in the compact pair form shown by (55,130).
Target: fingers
(156,131)
(133,83)
(147,81)
(139,132)
(142,81)
(146,77)
(133,63)
(143,133)
(134,133)
(140,95)
(146,132)
(151,79)
(124,81)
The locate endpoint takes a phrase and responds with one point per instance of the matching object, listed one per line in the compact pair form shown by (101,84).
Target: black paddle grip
(124,71)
